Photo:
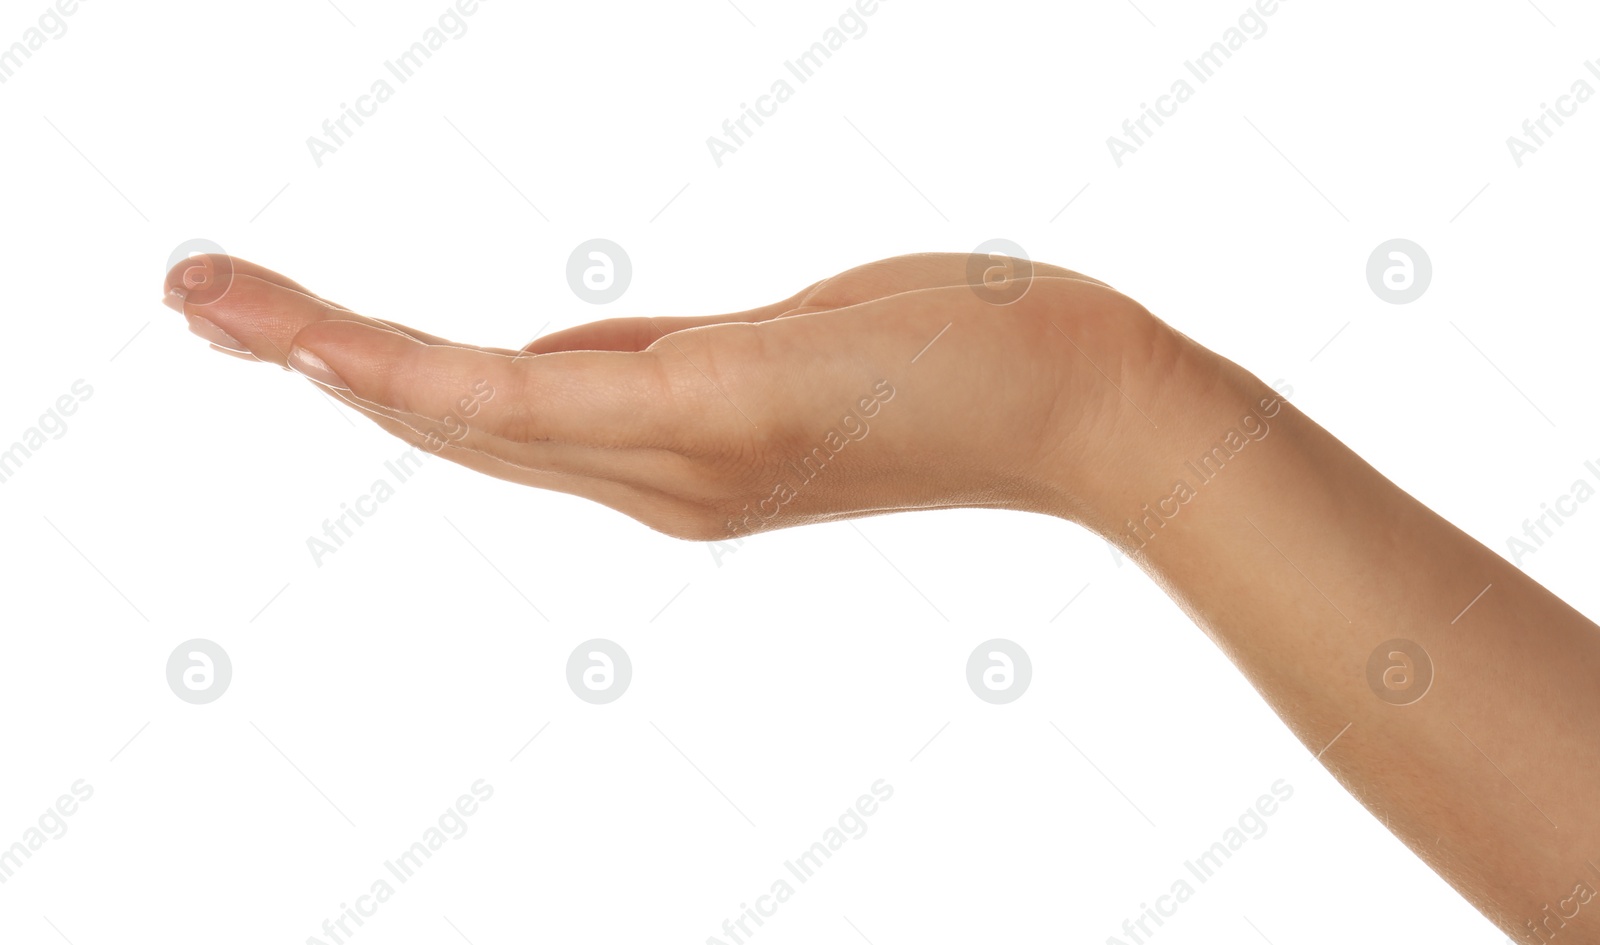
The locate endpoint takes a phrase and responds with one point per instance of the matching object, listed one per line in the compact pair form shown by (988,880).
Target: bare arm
(1302,563)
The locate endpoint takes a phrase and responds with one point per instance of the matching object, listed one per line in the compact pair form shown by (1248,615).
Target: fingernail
(241,355)
(210,332)
(175,299)
(315,368)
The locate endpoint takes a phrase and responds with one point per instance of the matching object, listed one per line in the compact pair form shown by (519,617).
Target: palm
(814,407)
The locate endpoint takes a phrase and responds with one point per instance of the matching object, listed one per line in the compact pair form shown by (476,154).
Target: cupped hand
(902,384)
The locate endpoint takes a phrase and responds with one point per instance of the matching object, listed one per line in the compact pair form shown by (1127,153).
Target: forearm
(1299,560)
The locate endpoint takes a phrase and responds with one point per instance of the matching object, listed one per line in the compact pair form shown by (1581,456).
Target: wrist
(1171,416)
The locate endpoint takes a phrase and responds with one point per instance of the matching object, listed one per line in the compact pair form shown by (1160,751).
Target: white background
(773,687)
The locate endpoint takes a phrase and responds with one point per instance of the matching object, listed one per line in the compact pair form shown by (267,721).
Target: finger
(886,277)
(866,283)
(243,356)
(591,398)
(258,317)
(640,502)
(637,334)
(205,279)
(212,274)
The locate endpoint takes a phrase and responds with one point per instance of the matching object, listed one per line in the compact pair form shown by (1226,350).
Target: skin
(1297,558)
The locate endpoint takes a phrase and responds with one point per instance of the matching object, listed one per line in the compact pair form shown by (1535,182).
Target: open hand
(900,384)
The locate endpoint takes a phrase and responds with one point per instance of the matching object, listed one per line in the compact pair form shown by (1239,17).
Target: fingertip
(200,279)
(250,314)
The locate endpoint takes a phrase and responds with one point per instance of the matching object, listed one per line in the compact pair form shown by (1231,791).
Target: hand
(894,385)
(897,386)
